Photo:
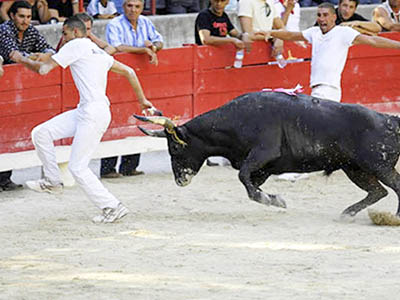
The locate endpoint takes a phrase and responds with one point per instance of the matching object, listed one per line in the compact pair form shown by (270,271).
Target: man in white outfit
(330,45)
(87,123)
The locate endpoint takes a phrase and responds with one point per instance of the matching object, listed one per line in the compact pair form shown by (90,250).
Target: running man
(330,45)
(87,123)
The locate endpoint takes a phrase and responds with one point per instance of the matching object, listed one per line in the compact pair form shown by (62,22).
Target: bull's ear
(181,135)
(155,133)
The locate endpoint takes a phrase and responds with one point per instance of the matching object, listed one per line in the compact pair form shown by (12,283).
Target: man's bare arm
(40,67)
(365,27)
(130,74)
(287,35)
(376,41)
(381,17)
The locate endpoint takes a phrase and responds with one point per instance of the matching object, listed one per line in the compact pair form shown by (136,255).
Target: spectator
(258,17)
(182,6)
(213,27)
(19,34)
(60,10)
(40,11)
(346,16)
(5,177)
(330,45)
(387,15)
(131,33)
(102,9)
(289,10)
(118,6)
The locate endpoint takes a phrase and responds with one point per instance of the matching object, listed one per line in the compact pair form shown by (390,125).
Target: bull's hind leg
(392,180)
(368,183)
(252,176)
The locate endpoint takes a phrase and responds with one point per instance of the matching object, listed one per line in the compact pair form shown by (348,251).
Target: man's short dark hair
(19,4)
(356,1)
(75,22)
(328,5)
(84,17)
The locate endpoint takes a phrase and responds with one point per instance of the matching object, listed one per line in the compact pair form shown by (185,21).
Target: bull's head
(186,159)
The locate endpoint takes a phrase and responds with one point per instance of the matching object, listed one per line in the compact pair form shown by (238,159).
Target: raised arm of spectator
(43,9)
(365,27)
(288,10)
(381,17)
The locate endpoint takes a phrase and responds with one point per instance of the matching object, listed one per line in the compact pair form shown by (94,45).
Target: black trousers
(128,163)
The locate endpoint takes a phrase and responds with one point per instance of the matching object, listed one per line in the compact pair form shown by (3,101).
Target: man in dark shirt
(213,27)
(19,34)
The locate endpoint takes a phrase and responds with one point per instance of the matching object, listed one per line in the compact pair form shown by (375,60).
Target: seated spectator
(387,15)
(40,11)
(60,10)
(19,34)
(132,33)
(289,10)
(182,6)
(102,9)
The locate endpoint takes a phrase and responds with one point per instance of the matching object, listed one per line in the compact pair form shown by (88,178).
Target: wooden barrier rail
(187,82)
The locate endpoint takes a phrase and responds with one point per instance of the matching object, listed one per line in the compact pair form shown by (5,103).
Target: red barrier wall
(187,82)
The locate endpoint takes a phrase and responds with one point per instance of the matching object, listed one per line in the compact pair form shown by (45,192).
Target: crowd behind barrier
(200,80)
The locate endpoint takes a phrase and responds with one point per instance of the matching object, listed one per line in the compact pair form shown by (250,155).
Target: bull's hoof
(268,199)
(278,201)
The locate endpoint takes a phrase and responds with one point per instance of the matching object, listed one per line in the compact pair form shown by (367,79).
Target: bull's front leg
(255,193)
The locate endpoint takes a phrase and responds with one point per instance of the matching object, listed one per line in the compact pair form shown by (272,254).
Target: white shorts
(326,92)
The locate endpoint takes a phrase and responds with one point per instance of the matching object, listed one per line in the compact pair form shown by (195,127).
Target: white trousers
(87,125)
(326,92)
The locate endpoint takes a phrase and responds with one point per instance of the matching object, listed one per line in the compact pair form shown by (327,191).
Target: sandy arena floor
(204,241)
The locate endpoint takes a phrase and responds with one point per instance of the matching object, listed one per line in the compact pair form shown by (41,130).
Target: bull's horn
(163,121)
(155,133)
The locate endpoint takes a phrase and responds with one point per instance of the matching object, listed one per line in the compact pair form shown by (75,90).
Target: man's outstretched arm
(37,66)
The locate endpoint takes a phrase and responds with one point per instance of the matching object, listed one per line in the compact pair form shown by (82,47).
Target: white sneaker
(44,186)
(110,215)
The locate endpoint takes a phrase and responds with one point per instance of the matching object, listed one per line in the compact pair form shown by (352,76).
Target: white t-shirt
(89,67)
(329,53)
(293,23)
(96,8)
(262,13)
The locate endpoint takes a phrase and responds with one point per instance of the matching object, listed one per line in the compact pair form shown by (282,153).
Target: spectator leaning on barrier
(19,34)
(213,27)
(87,123)
(346,16)
(259,16)
(330,45)
(60,10)
(102,9)
(131,33)
(388,15)
(40,11)
(5,177)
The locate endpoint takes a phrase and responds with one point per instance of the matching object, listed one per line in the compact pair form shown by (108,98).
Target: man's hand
(145,104)
(277,48)
(16,56)
(153,56)
(247,41)
(150,45)
(238,44)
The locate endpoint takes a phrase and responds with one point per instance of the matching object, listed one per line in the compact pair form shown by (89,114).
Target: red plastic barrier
(187,82)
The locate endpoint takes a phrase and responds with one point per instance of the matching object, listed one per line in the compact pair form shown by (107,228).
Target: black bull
(267,133)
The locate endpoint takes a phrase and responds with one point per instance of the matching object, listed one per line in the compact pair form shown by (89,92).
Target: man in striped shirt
(131,33)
